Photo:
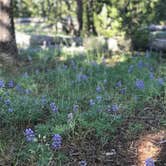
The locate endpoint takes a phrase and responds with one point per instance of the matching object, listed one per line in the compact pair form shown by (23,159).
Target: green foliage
(140,39)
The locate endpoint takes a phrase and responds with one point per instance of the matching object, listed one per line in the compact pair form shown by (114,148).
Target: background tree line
(96,17)
(106,18)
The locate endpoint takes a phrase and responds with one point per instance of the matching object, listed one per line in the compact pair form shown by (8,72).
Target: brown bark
(80,15)
(8,48)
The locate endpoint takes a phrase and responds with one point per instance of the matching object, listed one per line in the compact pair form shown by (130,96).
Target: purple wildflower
(7,101)
(27,91)
(82,163)
(98,89)
(119,84)
(98,98)
(10,110)
(82,77)
(43,100)
(123,91)
(140,64)
(151,76)
(140,84)
(65,66)
(75,108)
(114,108)
(10,84)
(56,141)
(161,81)
(54,107)
(2,84)
(30,135)
(149,162)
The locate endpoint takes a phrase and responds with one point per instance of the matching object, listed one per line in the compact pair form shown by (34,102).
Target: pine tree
(8,48)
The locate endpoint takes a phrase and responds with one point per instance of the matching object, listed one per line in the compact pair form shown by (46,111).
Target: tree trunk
(8,48)
(88,18)
(80,15)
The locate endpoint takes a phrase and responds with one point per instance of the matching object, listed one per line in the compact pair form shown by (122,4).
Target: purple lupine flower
(10,110)
(7,102)
(43,100)
(91,102)
(98,89)
(54,107)
(27,91)
(140,64)
(149,162)
(75,108)
(10,84)
(56,141)
(140,84)
(82,77)
(30,135)
(119,84)
(161,81)
(114,108)
(151,75)
(82,163)
(2,84)
(122,91)
(65,66)
(130,69)
(98,98)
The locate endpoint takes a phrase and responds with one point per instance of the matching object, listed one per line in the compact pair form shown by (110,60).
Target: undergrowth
(79,97)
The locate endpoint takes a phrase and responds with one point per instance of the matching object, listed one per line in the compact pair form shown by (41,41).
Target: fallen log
(157,27)
(159,44)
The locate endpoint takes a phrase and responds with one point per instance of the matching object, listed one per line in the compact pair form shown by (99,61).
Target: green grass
(69,80)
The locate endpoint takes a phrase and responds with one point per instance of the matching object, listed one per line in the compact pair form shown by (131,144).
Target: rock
(29,20)
(112,45)
(23,39)
(96,44)
(159,44)
(40,39)
(157,27)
